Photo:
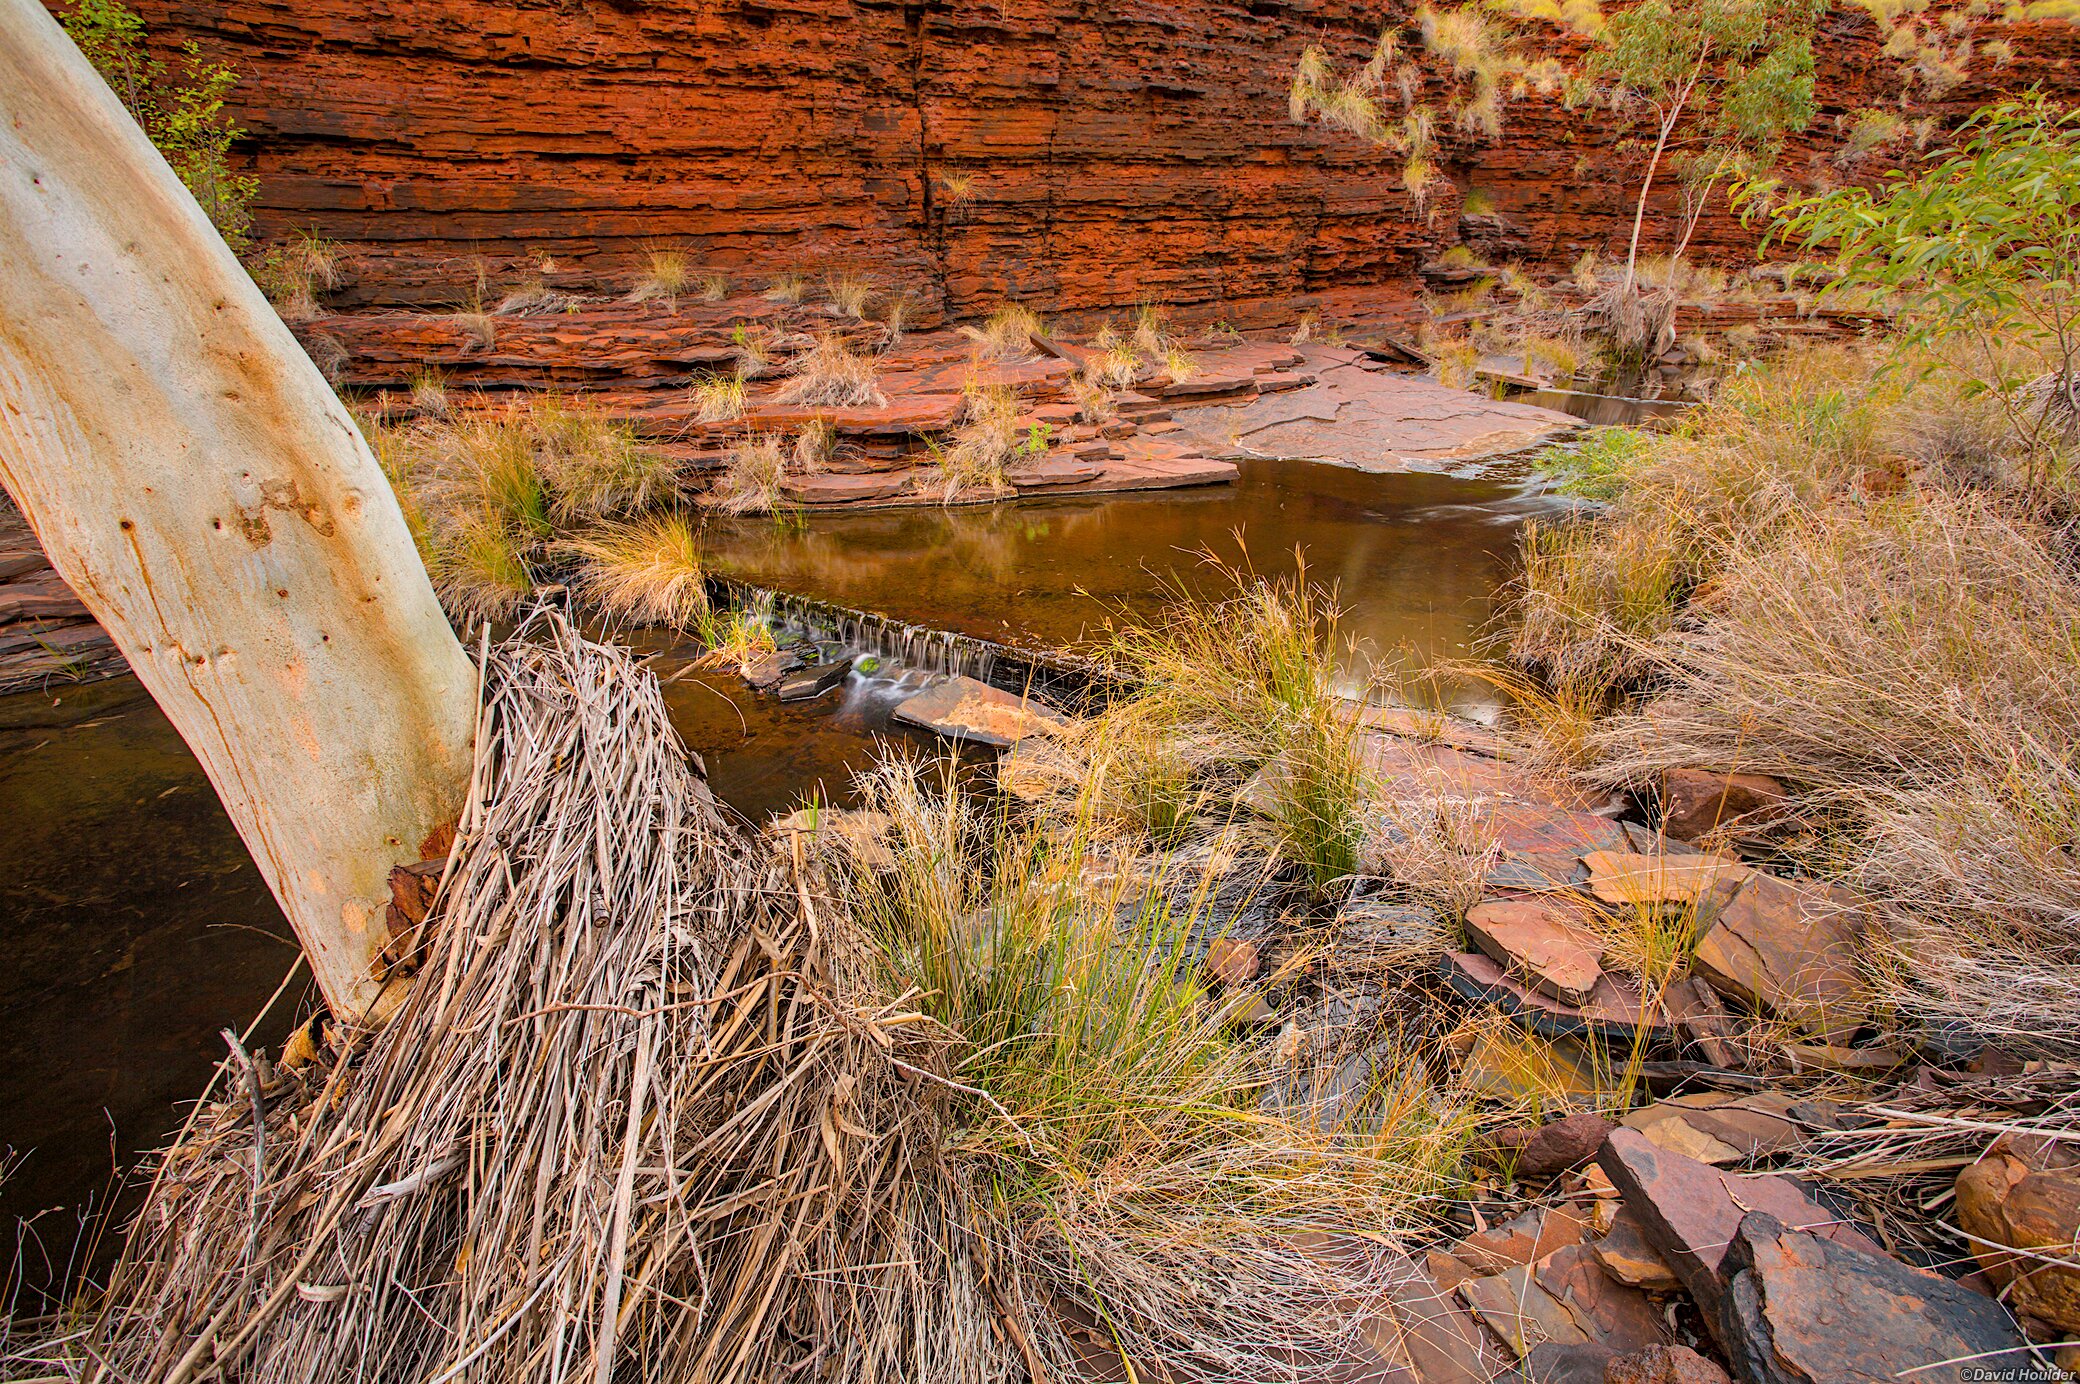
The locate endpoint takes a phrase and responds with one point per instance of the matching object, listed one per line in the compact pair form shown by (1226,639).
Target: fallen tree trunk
(196,482)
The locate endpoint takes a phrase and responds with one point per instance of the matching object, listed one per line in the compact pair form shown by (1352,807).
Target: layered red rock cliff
(1071,154)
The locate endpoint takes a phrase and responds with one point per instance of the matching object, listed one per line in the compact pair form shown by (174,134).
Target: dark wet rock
(963,708)
(1688,1210)
(766,671)
(1789,949)
(1663,1364)
(813,681)
(1803,1309)
(1696,801)
(1543,942)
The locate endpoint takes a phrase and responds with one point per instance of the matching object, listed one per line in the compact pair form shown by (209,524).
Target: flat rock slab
(966,709)
(1789,949)
(835,488)
(1543,942)
(1373,420)
(1689,1211)
(1719,1127)
(1650,881)
(1803,1309)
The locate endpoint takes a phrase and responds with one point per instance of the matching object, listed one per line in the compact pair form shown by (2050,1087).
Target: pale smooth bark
(196,481)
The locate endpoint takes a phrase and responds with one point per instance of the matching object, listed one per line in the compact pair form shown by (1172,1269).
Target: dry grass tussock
(1007,334)
(1243,690)
(647,571)
(750,483)
(831,374)
(715,1109)
(1830,575)
(983,446)
(489,490)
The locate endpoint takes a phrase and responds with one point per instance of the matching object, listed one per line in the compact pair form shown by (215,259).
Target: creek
(138,927)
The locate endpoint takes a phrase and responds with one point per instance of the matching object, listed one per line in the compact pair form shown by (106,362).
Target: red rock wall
(1118,153)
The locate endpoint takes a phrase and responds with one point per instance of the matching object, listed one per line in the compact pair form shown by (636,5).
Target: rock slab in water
(1803,1309)
(813,681)
(966,709)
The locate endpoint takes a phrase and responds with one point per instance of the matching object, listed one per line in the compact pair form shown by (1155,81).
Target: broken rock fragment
(2018,1197)
(1789,949)
(1800,1308)
(1688,1210)
(964,708)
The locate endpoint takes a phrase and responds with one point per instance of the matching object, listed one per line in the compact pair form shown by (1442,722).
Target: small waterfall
(1063,678)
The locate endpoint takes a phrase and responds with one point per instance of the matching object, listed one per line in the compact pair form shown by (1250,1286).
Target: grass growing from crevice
(750,483)
(831,374)
(1006,335)
(493,489)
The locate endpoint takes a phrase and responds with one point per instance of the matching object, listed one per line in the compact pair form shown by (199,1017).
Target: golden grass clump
(595,467)
(666,275)
(750,483)
(718,398)
(1118,362)
(1007,334)
(984,445)
(494,487)
(1834,575)
(1249,682)
(831,374)
(647,571)
(848,295)
(298,271)
(786,288)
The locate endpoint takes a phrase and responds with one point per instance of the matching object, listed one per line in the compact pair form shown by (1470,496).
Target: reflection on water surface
(138,927)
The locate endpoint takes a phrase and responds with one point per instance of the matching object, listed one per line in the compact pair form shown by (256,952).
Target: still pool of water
(138,927)
(1415,559)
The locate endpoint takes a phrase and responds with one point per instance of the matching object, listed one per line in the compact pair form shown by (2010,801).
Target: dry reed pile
(669,1102)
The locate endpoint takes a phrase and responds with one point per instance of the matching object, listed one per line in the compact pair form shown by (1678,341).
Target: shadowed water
(137,926)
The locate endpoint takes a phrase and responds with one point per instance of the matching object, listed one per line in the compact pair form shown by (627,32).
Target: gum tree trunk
(196,481)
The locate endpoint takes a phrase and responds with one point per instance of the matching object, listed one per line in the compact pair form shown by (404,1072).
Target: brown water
(1415,559)
(137,926)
